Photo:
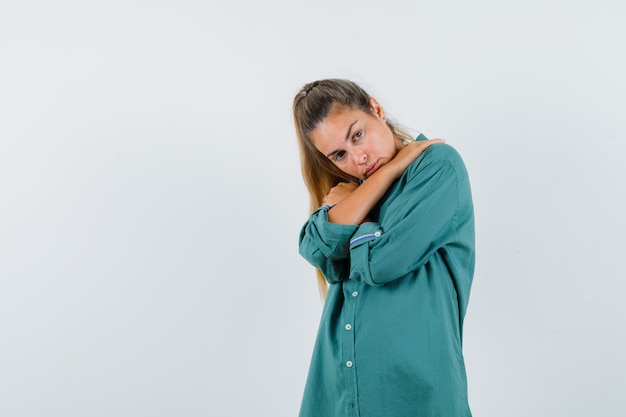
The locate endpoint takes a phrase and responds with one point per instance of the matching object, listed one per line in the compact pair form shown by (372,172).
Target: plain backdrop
(151,197)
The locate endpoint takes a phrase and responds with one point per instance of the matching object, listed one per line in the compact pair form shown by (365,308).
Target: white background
(151,198)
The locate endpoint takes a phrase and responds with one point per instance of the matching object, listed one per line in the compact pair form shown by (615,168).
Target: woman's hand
(339,192)
(408,154)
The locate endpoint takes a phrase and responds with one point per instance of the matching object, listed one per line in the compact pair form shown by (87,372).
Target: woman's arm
(431,212)
(326,245)
(352,204)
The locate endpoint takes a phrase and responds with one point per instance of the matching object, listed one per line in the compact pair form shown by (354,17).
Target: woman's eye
(357,135)
(339,156)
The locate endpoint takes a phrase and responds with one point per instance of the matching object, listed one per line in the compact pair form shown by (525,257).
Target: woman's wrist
(391,171)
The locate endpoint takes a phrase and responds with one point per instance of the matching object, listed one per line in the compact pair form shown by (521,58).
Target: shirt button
(349,364)
(354,294)
(377,234)
(348,326)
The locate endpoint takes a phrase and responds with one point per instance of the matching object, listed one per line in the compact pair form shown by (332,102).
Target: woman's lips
(371,169)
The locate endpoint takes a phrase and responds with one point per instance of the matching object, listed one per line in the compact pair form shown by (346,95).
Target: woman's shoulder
(438,161)
(439,152)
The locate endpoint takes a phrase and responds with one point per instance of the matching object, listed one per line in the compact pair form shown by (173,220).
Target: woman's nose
(360,157)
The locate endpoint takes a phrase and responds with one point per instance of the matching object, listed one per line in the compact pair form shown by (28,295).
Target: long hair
(311,105)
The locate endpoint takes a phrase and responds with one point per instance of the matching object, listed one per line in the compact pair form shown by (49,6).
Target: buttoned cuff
(366,232)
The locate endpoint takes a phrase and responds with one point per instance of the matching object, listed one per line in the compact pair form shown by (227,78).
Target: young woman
(392,232)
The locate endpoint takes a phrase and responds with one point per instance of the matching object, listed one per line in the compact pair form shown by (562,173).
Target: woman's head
(343,134)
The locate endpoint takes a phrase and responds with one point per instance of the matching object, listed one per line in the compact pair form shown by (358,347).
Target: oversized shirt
(390,337)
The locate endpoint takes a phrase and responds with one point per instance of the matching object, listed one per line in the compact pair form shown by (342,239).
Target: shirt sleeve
(325,245)
(419,221)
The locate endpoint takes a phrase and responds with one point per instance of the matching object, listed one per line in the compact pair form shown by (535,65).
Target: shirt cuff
(332,238)
(366,232)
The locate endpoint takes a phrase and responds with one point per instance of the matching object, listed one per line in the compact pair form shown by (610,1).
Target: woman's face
(358,143)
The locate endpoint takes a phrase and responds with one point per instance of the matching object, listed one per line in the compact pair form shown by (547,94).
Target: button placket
(348,334)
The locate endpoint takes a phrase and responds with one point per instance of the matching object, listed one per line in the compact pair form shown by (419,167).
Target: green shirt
(390,337)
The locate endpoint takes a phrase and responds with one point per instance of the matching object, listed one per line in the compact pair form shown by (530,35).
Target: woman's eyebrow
(345,140)
(350,129)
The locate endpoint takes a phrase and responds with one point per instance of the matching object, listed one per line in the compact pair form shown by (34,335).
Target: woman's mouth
(371,169)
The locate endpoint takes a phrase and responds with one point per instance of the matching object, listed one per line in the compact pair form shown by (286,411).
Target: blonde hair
(311,105)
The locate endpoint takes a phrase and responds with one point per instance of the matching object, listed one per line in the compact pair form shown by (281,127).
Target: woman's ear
(377,109)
